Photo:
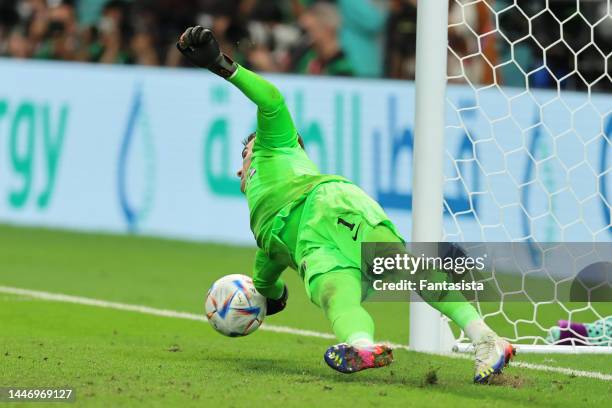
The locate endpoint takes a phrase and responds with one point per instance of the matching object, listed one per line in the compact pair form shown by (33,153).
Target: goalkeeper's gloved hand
(275,306)
(200,47)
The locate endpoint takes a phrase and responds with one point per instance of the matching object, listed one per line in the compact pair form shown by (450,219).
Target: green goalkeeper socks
(453,304)
(455,307)
(338,293)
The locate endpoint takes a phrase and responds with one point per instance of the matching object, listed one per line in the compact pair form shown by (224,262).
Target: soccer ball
(233,307)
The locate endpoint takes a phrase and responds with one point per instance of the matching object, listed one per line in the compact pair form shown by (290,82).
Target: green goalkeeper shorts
(337,217)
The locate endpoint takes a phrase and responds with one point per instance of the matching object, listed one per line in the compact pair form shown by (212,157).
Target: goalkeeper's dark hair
(252,136)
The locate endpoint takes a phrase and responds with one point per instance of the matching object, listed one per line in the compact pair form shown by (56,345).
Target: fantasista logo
(136,169)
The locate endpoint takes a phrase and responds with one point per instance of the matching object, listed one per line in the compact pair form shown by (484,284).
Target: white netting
(529,137)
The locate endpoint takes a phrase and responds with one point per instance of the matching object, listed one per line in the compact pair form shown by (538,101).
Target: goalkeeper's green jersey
(280,175)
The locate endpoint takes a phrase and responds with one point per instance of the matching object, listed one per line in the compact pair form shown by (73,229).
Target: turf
(119,358)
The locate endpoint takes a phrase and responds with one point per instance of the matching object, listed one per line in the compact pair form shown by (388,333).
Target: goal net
(528,148)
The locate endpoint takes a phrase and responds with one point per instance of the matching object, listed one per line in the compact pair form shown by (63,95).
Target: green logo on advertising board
(221,181)
(217,144)
(33,128)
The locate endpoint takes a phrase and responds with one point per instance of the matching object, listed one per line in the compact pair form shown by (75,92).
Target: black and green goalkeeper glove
(199,46)
(274,306)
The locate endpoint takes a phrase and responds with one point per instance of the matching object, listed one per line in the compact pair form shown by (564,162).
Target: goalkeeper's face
(247,152)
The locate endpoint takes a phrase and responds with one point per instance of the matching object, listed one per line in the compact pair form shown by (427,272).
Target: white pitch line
(563,370)
(58,297)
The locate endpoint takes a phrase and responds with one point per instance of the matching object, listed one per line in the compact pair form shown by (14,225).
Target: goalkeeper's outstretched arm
(275,127)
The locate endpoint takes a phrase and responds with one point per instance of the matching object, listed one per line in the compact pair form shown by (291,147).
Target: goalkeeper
(315,224)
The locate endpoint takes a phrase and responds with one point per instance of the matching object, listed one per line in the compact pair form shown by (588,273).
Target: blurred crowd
(367,38)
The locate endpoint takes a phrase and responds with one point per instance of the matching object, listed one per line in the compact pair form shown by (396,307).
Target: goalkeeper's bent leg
(452,304)
(492,353)
(338,293)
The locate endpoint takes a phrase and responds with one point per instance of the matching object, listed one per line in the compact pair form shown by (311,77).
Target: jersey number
(346,224)
(350,226)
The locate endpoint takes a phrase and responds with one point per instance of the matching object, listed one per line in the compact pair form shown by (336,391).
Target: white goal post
(499,110)
(428,332)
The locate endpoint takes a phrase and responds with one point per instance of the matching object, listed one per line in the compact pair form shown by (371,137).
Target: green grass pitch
(121,358)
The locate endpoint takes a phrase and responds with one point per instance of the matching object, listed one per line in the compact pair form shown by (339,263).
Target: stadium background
(155,151)
(94,141)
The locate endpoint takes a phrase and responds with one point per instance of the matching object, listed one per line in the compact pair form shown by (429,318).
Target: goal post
(428,331)
(513,122)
